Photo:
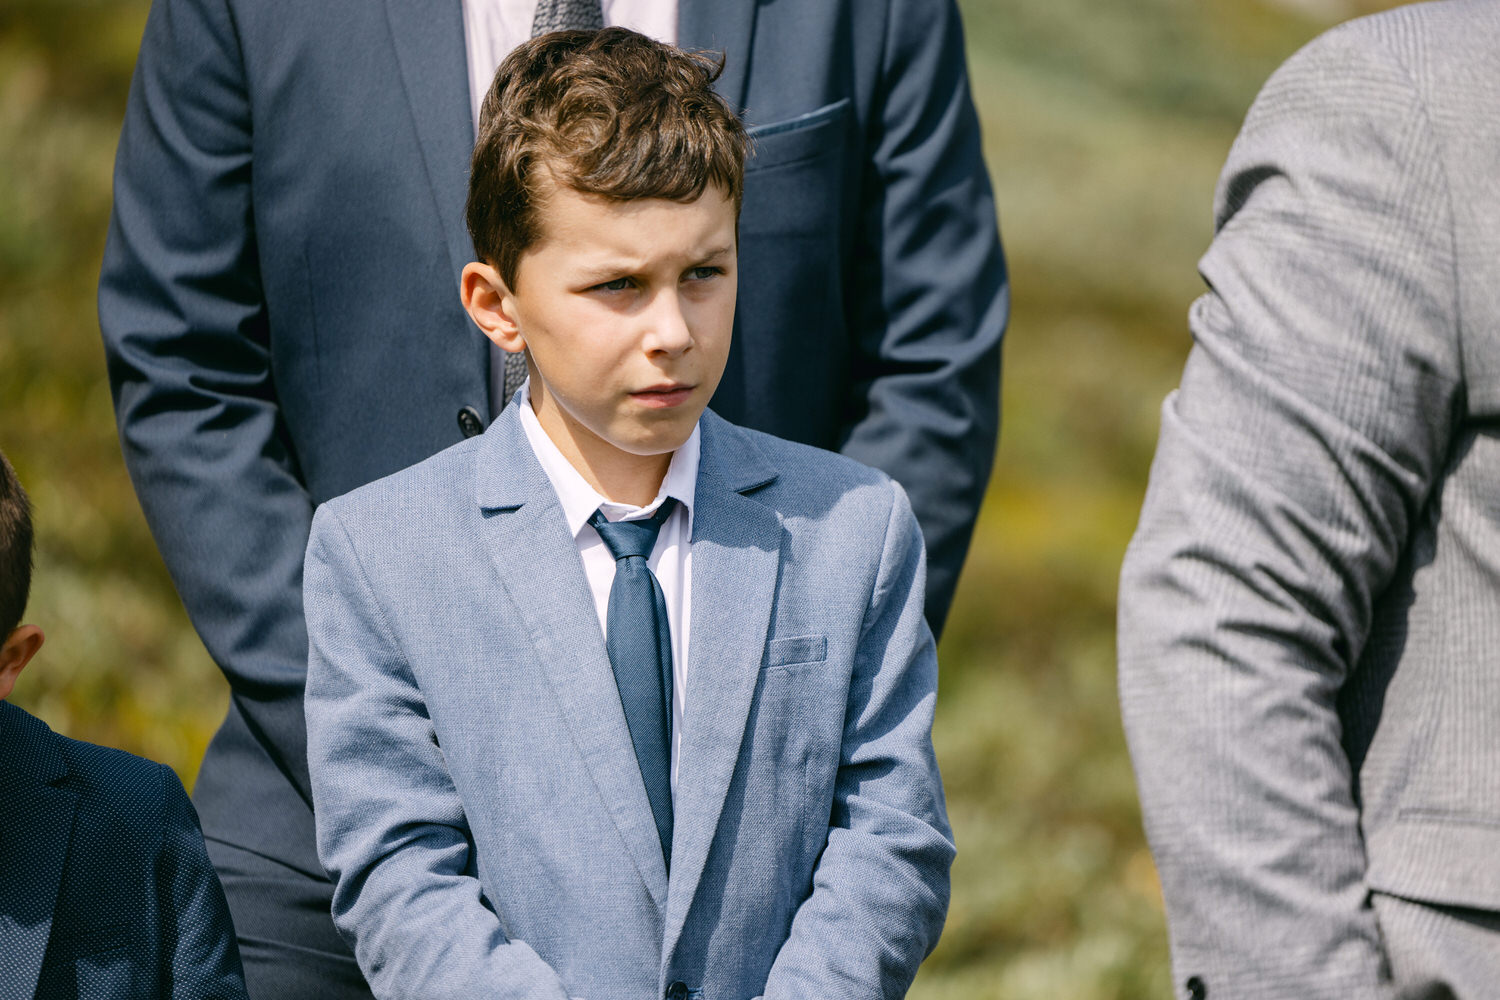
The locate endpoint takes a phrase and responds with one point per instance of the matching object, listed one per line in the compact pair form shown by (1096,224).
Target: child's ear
(17,650)
(491,305)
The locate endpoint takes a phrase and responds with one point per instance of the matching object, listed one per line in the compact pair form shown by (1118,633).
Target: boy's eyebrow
(716,253)
(605,271)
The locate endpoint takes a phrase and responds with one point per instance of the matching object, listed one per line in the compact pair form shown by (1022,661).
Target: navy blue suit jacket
(280,310)
(106,892)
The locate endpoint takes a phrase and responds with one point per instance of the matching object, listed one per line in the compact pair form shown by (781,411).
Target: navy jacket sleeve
(930,297)
(199,959)
(185,333)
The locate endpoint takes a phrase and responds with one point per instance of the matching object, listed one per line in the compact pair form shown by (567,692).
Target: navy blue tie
(639,641)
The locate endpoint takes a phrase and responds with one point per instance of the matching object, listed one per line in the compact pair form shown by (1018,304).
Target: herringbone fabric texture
(562,15)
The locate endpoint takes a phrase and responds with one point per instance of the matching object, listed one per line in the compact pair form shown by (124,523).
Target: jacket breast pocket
(794,172)
(795,651)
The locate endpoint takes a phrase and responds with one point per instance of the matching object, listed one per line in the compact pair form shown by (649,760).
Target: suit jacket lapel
(725,26)
(537,562)
(429,39)
(736,564)
(35,829)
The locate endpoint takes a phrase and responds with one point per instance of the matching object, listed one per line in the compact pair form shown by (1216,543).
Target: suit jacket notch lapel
(537,563)
(34,838)
(737,545)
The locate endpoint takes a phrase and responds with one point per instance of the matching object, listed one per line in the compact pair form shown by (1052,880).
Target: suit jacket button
(1197,989)
(677,991)
(470,422)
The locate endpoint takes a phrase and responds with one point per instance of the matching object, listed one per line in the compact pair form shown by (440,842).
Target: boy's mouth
(667,394)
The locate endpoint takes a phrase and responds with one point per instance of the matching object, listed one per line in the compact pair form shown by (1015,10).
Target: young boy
(619,700)
(106,892)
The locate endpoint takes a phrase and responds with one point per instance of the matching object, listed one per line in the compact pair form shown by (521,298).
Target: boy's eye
(618,285)
(700,273)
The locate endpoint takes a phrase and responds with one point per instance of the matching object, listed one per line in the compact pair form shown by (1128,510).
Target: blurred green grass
(1105,126)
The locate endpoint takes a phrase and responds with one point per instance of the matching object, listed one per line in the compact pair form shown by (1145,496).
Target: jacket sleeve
(185,335)
(929,298)
(391,828)
(1315,414)
(200,959)
(880,889)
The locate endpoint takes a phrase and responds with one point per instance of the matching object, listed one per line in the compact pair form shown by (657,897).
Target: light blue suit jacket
(478,802)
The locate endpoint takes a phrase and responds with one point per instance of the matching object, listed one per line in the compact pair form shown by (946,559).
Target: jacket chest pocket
(796,738)
(794,172)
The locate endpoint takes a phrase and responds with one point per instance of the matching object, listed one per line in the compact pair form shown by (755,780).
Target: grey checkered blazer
(1310,609)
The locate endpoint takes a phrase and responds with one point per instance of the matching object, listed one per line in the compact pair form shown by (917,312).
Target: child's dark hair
(611,113)
(15,549)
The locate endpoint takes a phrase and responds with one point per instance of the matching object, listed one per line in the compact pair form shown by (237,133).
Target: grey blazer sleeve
(930,297)
(880,890)
(392,831)
(1313,418)
(186,337)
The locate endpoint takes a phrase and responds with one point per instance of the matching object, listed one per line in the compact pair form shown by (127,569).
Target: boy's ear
(491,305)
(17,650)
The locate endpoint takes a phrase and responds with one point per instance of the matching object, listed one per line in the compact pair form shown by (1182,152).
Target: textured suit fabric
(1308,627)
(105,890)
(478,802)
(1439,952)
(280,317)
(559,15)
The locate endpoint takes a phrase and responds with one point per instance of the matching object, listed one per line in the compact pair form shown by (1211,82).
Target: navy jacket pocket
(779,144)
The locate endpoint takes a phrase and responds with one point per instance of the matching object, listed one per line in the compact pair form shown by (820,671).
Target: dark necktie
(562,15)
(551,15)
(639,641)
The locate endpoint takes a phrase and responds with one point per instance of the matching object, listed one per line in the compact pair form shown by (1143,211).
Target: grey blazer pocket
(783,143)
(795,650)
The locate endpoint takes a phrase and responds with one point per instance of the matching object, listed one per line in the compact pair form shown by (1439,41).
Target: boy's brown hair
(15,549)
(611,113)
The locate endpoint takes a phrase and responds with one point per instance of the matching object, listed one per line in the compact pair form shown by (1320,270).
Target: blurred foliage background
(1105,126)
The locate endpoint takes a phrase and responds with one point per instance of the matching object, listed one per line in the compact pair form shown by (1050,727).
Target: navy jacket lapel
(736,564)
(35,829)
(429,39)
(723,26)
(538,565)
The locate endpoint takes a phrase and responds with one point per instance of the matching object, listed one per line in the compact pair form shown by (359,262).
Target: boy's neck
(616,475)
(623,478)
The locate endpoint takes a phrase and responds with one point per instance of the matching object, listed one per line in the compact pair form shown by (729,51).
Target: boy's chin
(662,437)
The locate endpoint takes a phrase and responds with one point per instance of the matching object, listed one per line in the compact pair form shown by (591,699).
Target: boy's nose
(668,330)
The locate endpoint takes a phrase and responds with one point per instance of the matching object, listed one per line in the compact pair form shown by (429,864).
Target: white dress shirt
(671,560)
(493,27)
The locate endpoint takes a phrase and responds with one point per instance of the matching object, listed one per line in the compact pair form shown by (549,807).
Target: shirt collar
(579,500)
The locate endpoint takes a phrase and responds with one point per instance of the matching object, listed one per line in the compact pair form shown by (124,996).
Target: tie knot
(632,538)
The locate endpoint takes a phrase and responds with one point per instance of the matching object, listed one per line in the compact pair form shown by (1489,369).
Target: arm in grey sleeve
(392,831)
(1313,418)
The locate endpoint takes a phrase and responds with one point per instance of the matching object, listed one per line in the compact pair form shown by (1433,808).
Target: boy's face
(626,308)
